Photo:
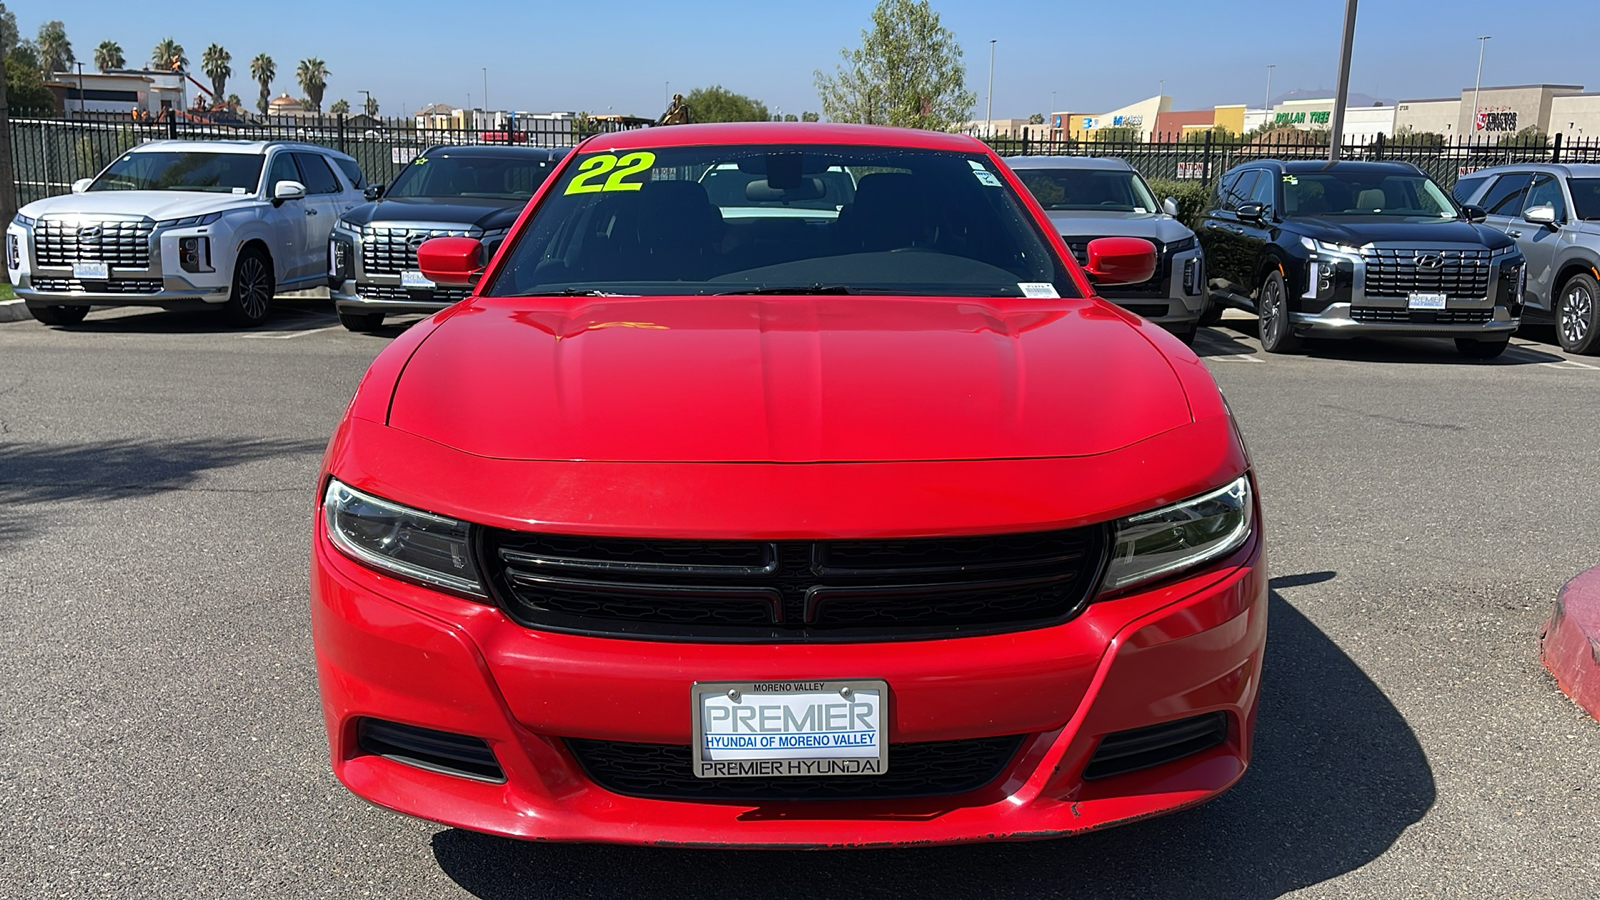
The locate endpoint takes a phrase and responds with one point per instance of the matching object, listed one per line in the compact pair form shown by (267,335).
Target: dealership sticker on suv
(789,728)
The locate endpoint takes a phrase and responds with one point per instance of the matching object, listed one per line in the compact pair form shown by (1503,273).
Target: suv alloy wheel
(1576,307)
(1272,309)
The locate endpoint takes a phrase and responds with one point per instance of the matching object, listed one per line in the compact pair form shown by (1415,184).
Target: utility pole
(988,111)
(83,109)
(485,88)
(1340,99)
(1266,105)
(8,178)
(1476,83)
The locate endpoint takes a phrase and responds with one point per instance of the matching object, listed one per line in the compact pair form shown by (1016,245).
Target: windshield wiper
(572,292)
(795,290)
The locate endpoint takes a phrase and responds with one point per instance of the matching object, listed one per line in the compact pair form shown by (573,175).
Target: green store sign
(1320,117)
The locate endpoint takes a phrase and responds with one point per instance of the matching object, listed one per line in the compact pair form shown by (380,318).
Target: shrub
(1192,197)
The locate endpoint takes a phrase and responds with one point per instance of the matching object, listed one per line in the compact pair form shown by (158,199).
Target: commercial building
(129,91)
(1495,112)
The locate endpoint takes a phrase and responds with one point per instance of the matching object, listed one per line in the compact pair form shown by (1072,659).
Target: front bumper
(161,281)
(379,293)
(1339,320)
(391,650)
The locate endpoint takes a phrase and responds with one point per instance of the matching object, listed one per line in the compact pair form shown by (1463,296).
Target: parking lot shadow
(108,470)
(287,315)
(1338,775)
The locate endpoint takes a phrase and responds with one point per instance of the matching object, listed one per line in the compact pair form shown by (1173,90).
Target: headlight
(1188,534)
(21,219)
(1181,246)
(407,542)
(190,220)
(491,241)
(194,254)
(1325,247)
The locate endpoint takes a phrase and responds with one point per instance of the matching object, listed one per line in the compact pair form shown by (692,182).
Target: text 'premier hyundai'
(826,507)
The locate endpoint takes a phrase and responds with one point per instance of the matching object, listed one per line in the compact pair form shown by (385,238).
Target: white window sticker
(239,190)
(984,176)
(1037,289)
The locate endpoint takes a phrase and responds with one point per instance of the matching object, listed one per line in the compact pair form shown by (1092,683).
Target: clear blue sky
(616,55)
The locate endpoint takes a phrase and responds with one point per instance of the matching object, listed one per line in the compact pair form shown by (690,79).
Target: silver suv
(1088,198)
(1553,212)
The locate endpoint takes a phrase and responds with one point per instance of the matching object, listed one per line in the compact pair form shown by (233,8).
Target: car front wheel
(250,301)
(1272,307)
(361,321)
(1577,326)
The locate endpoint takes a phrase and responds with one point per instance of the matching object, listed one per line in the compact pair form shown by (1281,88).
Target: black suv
(464,191)
(1319,249)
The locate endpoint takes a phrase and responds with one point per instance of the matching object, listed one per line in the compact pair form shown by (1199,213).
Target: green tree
(790,117)
(108,56)
(1036,119)
(1531,136)
(25,90)
(810,117)
(1218,134)
(263,70)
(1117,133)
(718,104)
(9,36)
(340,107)
(370,107)
(215,63)
(312,74)
(234,103)
(907,72)
(168,56)
(55,51)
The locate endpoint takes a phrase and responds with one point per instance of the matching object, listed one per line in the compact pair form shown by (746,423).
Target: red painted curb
(1570,645)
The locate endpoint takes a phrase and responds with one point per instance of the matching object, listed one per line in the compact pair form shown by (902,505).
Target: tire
(1212,314)
(355,321)
(58,315)
(1578,315)
(1472,349)
(1272,311)
(250,301)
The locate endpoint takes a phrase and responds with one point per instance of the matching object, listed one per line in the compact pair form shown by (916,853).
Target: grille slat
(441,295)
(115,286)
(665,772)
(1142,748)
(1422,317)
(780,591)
(124,243)
(438,751)
(390,251)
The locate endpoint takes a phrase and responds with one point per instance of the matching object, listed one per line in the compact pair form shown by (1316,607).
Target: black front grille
(1398,273)
(793,590)
(118,286)
(437,751)
(391,292)
(118,242)
(1141,748)
(390,251)
(1422,317)
(1157,284)
(665,772)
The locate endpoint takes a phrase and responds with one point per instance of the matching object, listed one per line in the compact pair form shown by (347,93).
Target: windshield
(1107,190)
(1585,197)
(1364,194)
(800,218)
(220,173)
(473,175)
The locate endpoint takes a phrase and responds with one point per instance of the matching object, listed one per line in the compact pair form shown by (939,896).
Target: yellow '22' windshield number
(619,169)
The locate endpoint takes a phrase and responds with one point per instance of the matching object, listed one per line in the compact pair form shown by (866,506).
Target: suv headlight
(1181,536)
(1325,247)
(413,544)
(190,220)
(491,241)
(1181,246)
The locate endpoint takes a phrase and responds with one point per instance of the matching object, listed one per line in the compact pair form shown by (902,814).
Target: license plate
(409,279)
(789,728)
(91,271)
(1427,301)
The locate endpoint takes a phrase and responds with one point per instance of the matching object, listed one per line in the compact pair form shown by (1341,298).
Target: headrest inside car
(763,191)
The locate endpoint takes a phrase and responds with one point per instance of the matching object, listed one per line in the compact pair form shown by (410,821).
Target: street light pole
(988,110)
(1477,82)
(485,88)
(366,103)
(1266,105)
(83,110)
(1341,99)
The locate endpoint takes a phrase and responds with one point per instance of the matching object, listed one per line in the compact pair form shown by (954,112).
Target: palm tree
(313,77)
(234,103)
(214,62)
(370,107)
(55,51)
(263,70)
(108,56)
(340,107)
(168,56)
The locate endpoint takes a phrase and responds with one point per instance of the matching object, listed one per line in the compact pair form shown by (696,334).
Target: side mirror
(1170,206)
(1475,214)
(1252,211)
(287,190)
(1540,215)
(451,260)
(1121,260)
(373,192)
(81,185)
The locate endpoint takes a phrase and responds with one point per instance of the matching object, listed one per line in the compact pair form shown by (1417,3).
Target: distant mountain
(1324,93)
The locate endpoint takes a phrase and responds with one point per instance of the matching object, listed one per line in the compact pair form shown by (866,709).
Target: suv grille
(1156,286)
(124,243)
(1399,272)
(442,295)
(121,286)
(666,772)
(390,251)
(793,590)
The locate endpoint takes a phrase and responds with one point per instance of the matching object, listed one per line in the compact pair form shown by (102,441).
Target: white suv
(180,224)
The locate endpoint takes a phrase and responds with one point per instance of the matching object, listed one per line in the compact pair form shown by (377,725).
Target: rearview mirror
(373,192)
(81,185)
(1121,260)
(451,260)
(1540,215)
(1474,214)
(1170,206)
(287,190)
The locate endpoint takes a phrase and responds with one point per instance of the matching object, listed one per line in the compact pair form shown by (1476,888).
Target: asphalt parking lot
(162,735)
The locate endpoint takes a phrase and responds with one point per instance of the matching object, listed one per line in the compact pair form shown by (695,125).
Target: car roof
(1101,163)
(781,133)
(1571,170)
(241,147)
(496,150)
(1307,166)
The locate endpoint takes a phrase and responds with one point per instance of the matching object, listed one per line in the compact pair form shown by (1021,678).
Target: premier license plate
(1427,301)
(91,271)
(409,279)
(789,728)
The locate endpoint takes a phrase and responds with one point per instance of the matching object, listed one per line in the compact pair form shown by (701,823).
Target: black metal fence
(1203,158)
(50,154)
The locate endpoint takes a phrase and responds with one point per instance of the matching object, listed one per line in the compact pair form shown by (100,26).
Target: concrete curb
(13,311)
(1570,645)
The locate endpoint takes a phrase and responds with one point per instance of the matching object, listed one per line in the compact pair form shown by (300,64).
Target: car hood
(155,204)
(485,214)
(803,379)
(1358,230)
(1152,226)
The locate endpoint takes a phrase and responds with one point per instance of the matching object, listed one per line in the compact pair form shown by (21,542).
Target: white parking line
(1570,365)
(1235,357)
(285,335)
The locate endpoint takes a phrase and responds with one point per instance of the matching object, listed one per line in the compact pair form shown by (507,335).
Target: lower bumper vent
(436,751)
(1140,748)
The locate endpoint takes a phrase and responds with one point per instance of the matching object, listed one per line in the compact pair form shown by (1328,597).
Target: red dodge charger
(786,485)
